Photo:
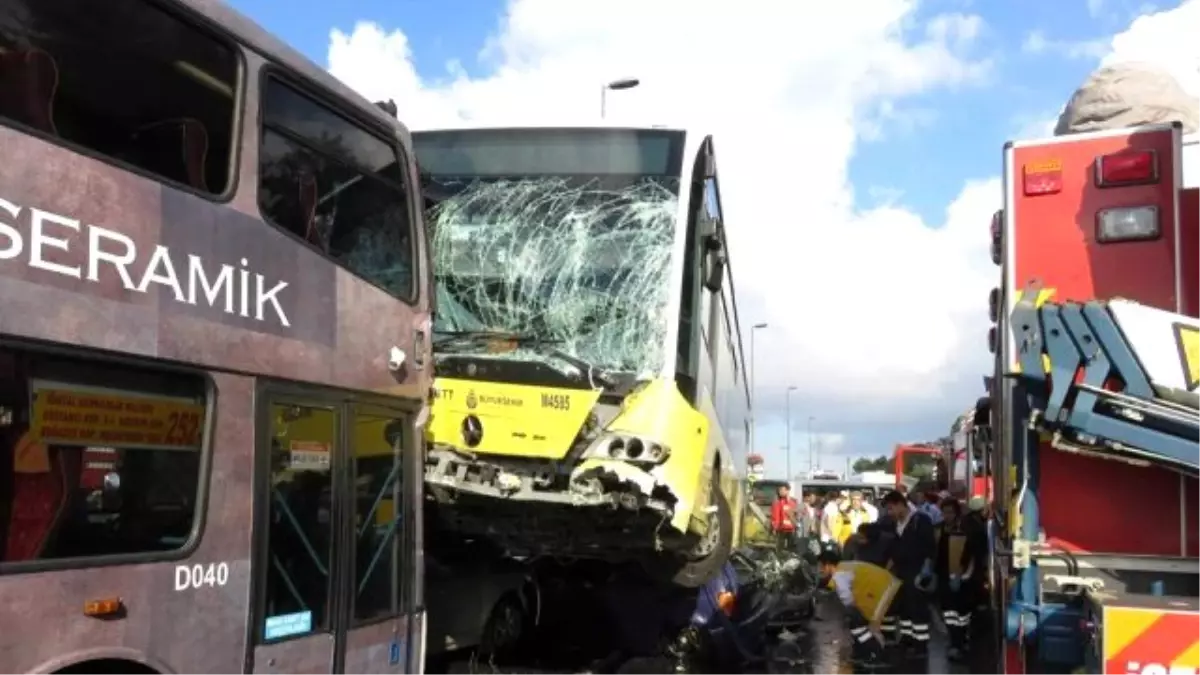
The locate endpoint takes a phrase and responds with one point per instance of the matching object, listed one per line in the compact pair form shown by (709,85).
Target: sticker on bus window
(308,455)
(286,625)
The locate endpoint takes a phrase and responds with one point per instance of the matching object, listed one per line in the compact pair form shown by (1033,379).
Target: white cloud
(1037,43)
(861,302)
(1166,38)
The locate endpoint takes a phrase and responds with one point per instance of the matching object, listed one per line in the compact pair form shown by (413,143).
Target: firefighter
(956,565)
(912,554)
(867,591)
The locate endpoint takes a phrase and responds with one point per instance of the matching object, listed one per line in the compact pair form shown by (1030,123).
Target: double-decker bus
(591,398)
(214,332)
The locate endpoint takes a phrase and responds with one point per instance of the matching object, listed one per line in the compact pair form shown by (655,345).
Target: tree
(863,464)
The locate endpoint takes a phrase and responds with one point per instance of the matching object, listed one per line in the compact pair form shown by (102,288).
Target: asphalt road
(825,647)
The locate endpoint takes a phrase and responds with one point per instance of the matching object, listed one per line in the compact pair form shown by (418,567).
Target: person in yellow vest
(867,591)
(854,516)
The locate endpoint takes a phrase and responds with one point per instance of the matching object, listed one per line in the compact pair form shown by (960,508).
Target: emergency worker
(957,563)
(976,524)
(867,591)
(832,520)
(859,511)
(912,554)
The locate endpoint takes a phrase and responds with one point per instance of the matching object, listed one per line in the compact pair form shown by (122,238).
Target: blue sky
(439,31)
(860,148)
(957,133)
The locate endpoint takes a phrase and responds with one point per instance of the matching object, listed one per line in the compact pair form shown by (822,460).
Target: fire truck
(1093,403)
(968,466)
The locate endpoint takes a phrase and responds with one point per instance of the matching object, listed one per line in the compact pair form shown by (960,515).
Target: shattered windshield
(561,238)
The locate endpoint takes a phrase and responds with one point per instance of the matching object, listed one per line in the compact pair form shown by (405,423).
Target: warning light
(1129,167)
(1043,178)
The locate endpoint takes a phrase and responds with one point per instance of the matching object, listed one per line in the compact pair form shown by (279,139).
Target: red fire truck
(968,466)
(1093,404)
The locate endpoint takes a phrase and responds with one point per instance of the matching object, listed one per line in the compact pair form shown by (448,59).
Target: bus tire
(697,571)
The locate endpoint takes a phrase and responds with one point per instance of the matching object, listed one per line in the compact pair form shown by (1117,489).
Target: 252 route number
(212,575)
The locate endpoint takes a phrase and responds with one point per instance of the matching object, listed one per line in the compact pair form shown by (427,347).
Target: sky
(859,145)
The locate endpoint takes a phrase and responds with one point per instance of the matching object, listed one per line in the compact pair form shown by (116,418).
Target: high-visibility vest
(872,587)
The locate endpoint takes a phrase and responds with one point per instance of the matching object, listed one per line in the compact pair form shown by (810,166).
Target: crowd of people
(891,569)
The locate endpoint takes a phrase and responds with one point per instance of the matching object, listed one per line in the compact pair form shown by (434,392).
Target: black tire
(505,628)
(696,572)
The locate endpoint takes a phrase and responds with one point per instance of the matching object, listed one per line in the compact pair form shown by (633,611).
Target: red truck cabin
(1096,216)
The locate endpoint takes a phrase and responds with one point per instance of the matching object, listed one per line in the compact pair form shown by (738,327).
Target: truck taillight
(1131,223)
(1129,167)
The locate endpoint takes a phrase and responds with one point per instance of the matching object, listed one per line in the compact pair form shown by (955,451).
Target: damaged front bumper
(605,508)
(593,483)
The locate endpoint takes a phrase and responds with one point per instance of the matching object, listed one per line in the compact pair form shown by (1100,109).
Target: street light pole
(615,85)
(787,398)
(753,408)
(811,463)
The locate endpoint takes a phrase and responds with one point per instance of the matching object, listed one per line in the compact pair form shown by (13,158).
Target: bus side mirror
(714,257)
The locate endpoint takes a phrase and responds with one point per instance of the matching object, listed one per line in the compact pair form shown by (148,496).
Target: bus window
(337,187)
(96,460)
(378,473)
(300,530)
(131,83)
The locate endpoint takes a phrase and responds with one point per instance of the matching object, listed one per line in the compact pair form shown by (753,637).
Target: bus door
(334,565)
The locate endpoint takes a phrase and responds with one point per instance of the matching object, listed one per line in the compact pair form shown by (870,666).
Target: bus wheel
(710,554)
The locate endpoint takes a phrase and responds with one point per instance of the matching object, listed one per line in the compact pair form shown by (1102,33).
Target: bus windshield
(917,467)
(559,235)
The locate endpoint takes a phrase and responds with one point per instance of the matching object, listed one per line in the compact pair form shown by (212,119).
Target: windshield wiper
(538,343)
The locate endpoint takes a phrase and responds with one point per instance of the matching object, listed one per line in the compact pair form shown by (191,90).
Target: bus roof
(228,20)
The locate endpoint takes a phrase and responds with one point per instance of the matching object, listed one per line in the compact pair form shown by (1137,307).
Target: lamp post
(787,401)
(615,85)
(812,465)
(753,409)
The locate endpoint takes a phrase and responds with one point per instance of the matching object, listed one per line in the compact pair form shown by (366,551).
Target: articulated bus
(214,331)
(591,398)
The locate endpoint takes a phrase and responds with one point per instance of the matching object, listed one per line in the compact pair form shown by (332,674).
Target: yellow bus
(591,393)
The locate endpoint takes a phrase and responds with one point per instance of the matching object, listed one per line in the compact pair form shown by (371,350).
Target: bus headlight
(629,448)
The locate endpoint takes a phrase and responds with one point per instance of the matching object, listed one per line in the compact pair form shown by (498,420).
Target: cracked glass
(559,239)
